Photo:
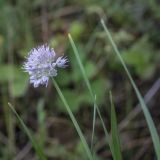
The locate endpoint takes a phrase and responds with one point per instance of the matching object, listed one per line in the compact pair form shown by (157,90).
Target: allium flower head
(41,64)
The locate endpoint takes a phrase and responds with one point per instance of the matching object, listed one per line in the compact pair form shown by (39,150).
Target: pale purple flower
(41,64)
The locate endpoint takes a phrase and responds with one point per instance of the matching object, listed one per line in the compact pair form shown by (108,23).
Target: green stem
(83,140)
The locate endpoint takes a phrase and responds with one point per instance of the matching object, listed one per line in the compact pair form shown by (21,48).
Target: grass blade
(36,146)
(81,66)
(107,136)
(114,131)
(93,126)
(83,140)
(151,125)
(89,88)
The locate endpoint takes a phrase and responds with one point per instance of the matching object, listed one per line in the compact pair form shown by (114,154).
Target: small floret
(41,64)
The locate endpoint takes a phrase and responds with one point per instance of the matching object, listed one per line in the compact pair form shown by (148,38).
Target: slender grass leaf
(107,135)
(35,144)
(93,126)
(81,66)
(151,125)
(89,88)
(114,131)
(83,140)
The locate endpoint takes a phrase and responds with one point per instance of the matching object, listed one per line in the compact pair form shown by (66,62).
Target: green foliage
(76,29)
(80,95)
(74,103)
(15,77)
(140,57)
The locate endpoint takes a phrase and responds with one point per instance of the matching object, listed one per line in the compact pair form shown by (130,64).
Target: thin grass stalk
(35,144)
(93,126)
(114,132)
(151,125)
(83,140)
(89,88)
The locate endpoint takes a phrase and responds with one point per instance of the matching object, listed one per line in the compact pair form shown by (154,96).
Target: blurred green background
(25,24)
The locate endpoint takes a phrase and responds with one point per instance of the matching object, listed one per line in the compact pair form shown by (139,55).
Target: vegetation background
(25,24)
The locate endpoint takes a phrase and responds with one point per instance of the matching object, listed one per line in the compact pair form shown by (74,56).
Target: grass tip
(102,21)
(69,35)
(10,105)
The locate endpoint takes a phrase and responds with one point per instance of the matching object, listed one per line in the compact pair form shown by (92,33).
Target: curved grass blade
(83,140)
(151,125)
(89,88)
(36,146)
(81,66)
(114,131)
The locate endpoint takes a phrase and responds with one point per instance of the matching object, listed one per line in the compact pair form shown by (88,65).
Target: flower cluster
(41,64)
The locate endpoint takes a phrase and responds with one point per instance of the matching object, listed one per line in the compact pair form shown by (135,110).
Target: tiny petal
(61,62)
